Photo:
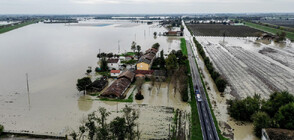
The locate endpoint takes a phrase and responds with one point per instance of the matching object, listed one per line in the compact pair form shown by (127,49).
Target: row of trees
(220,82)
(276,112)
(120,128)
(135,48)
(109,55)
(176,65)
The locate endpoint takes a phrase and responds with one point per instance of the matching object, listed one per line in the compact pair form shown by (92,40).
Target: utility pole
(118,47)
(28,89)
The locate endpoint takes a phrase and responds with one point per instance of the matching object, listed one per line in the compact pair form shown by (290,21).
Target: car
(198,96)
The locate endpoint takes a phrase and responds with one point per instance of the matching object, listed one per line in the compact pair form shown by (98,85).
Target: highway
(206,121)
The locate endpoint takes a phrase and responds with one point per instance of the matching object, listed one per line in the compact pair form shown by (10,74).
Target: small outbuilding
(115,73)
(98,85)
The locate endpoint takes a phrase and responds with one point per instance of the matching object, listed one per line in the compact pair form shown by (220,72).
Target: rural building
(99,84)
(145,62)
(118,87)
(277,134)
(113,64)
(115,73)
(129,58)
(173,33)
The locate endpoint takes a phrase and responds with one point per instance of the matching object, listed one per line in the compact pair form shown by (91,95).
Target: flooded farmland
(55,56)
(249,68)
(230,64)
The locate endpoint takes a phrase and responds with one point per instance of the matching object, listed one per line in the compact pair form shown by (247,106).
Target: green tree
(130,116)
(83,83)
(182,28)
(133,47)
(156,46)
(118,128)
(162,61)
(1,129)
(171,63)
(221,84)
(276,100)
(102,128)
(285,116)
(242,110)
(260,120)
(103,64)
(138,50)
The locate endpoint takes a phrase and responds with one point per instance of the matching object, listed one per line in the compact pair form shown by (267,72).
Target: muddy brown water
(55,56)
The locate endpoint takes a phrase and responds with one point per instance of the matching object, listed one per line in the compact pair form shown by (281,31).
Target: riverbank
(12,27)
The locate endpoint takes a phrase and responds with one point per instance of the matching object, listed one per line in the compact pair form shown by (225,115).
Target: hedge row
(219,81)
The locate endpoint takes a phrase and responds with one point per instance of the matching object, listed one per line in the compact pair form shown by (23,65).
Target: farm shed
(99,84)
(118,87)
(115,73)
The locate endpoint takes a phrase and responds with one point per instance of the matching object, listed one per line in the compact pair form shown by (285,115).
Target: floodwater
(219,105)
(55,56)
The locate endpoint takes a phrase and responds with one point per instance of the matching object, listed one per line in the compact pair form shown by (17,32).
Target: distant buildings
(145,62)
(173,33)
(118,87)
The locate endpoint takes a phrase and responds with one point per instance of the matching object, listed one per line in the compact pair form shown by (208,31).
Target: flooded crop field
(220,30)
(250,66)
(55,56)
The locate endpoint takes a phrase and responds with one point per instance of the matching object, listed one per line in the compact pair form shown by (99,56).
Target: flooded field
(250,67)
(215,48)
(55,56)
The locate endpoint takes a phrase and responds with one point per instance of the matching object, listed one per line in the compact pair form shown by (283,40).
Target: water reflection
(85,103)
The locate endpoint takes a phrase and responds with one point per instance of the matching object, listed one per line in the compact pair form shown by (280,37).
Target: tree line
(120,128)
(219,81)
(276,112)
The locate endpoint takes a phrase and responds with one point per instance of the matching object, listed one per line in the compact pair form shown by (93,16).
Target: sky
(144,6)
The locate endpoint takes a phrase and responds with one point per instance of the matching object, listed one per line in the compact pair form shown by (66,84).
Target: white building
(115,73)
(113,64)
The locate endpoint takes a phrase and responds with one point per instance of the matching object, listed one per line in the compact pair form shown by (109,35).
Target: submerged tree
(133,46)
(103,64)
(156,46)
(120,128)
(83,83)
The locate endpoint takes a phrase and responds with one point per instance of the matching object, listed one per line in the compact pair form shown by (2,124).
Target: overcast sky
(143,6)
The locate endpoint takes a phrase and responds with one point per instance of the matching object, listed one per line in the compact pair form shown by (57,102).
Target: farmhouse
(145,62)
(117,88)
(113,64)
(115,73)
(173,33)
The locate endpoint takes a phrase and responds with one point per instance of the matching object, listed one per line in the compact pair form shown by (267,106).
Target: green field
(269,30)
(7,29)
(183,47)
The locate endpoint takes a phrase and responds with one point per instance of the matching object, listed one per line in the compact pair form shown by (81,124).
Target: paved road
(206,121)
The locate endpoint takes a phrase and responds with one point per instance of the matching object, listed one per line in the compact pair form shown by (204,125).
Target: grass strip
(9,28)
(289,35)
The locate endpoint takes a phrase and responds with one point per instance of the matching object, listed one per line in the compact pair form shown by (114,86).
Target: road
(206,121)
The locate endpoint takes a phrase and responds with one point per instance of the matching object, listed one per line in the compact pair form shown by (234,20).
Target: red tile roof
(112,60)
(115,71)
